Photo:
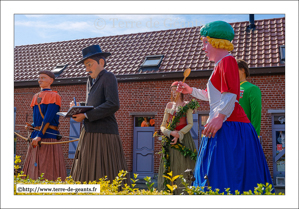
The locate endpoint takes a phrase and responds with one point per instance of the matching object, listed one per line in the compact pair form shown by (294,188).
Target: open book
(75,110)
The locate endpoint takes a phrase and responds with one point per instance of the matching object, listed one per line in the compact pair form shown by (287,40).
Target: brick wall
(273,97)
(148,96)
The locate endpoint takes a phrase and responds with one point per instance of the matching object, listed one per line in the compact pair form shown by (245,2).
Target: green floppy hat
(218,29)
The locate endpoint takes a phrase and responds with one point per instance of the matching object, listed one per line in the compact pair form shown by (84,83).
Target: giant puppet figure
(178,162)
(47,159)
(99,152)
(230,154)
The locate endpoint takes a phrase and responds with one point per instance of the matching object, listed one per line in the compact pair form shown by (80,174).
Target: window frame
(276,127)
(282,53)
(151,67)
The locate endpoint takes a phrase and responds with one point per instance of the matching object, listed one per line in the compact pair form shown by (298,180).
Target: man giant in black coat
(99,152)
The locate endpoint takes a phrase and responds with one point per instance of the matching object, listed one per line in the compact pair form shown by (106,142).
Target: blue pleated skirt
(233,159)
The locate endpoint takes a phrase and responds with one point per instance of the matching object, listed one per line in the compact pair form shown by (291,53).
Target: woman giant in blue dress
(230,154)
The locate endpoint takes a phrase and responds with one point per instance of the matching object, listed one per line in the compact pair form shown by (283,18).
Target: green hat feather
(218,29)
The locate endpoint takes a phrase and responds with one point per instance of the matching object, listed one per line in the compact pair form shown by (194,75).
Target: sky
(46,28)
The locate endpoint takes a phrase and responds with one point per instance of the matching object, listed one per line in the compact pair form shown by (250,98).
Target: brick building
(145,65)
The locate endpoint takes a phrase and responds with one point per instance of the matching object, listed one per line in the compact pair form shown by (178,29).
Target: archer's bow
(40,142)
(26,139)
(63,142)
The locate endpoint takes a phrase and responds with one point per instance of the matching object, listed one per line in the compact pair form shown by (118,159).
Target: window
(59,69)
(145,121)
(282,53)
(151,62)
(279,120)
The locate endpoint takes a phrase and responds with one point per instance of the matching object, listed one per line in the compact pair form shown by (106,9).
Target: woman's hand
(212,127)
(175,134)
(174,140)
(184,88)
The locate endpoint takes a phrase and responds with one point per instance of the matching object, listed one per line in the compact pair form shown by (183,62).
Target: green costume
(251,101)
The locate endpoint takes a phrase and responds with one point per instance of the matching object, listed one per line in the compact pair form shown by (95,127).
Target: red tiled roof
(181,49)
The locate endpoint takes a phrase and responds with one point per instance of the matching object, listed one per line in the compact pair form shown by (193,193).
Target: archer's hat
(92,50)
(48,73)
(219,30)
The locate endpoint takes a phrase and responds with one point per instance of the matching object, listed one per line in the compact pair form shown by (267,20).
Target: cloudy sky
(35,29)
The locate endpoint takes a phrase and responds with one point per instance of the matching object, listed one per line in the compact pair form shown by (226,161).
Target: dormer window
(151,62)
(59,68)
(282,53)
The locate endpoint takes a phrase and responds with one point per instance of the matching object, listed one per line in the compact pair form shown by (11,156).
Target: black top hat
(92,50)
